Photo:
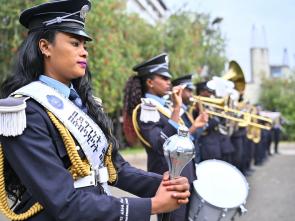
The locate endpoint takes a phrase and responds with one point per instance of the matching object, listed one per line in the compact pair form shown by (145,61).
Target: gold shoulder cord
(79,168)
(136,126)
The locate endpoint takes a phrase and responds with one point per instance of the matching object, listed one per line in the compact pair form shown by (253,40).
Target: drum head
(220,184)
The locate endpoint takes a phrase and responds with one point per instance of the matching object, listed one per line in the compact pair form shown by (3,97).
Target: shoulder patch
(12,115)
(149,112)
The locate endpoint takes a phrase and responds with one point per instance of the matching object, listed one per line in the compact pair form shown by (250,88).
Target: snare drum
(218,192)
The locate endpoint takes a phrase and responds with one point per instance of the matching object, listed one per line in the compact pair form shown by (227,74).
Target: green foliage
(122,40)
(192,43)
(11,32)
(278,95)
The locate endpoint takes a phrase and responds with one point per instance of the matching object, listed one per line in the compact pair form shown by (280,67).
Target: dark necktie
(74,97)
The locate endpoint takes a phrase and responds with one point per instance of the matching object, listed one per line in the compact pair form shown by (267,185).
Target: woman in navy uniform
(39,171)
(155,118)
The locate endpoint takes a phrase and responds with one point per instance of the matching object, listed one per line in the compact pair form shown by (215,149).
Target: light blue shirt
(162,101)
(57,85)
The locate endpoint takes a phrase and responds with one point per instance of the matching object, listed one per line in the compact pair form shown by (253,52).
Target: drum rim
(217,207)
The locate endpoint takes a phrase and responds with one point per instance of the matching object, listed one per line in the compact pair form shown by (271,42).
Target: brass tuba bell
(236,75)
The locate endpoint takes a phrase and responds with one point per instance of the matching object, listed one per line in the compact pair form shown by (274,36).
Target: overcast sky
(276,17)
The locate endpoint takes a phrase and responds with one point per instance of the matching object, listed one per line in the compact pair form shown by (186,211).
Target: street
(272,187)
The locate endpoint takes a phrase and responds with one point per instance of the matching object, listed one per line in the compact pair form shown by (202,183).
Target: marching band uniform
(41,144)
(210,145)
(238,139)
(36,151)
(154,126)
(187,117)
(227,147)
(209,141)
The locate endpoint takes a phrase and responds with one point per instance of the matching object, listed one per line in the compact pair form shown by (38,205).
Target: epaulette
(12,115)
(149,111)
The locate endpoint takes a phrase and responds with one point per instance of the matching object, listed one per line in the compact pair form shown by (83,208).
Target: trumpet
(218,107)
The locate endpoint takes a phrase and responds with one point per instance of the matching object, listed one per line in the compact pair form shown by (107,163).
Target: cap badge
(84,10)
(166,59)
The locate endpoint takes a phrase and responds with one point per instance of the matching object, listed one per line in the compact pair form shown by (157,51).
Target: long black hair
(28,66)
(134,90)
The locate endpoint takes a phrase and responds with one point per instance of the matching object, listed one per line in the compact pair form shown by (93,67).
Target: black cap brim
(78,32)
(165,74)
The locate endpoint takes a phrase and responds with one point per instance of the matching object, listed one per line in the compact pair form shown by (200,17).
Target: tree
(11,32)
(120,42)
(278,95)
(191,47)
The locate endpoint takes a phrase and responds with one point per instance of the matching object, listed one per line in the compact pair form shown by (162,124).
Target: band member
(60,154)
(209,141)
(196,126)
(277,130)
(154,118)
(238,139)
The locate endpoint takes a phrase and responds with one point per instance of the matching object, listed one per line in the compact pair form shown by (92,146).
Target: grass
(132,150)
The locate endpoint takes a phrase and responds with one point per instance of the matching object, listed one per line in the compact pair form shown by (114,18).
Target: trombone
(218,107)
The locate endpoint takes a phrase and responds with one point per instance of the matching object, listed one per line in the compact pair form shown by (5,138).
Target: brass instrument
(216,107)
(236,75)
(254,133)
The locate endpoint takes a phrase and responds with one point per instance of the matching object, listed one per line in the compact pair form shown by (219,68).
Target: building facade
(262,69)
(152,11)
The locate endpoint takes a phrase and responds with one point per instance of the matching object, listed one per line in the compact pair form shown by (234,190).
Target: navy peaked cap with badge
(64,15)
(157,65)
(184,80)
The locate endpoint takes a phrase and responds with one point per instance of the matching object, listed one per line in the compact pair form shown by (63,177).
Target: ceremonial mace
(179,150)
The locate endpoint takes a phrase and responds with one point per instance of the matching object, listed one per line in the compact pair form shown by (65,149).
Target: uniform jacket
(39,158)
(186,117)
(210,145)
(156,133)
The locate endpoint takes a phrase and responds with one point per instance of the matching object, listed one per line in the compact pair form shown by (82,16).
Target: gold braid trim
(4,206)
(79,168)
(110,165)
(136,126)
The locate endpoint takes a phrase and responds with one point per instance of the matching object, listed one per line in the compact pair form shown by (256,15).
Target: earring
(46,55)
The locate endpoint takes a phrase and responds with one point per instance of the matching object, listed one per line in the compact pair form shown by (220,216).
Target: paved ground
(272,187)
